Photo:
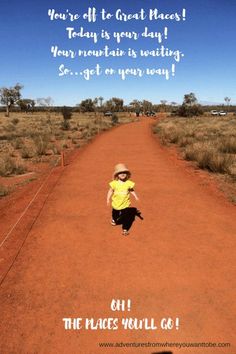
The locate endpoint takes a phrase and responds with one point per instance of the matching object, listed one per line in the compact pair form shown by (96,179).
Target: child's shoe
(113,223)
(125,232)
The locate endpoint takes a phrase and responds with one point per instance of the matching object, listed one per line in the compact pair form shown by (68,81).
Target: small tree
(173,107)
(10,96)
(118,104)
(100,99)
(114,104)
(67,114)
(146,106)
(26,104)
(87,105)
(189,107)
(136,106)
(163,105)
(95,104)
(114,119)
(189,111)
(227,100)
(190,99)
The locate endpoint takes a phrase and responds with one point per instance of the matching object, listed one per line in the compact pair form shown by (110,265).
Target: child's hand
(135,196)
(109,194)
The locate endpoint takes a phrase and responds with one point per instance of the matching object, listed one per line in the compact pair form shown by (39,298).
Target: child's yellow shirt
(121,193)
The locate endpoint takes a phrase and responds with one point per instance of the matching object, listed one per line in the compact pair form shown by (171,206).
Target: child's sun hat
(120,167)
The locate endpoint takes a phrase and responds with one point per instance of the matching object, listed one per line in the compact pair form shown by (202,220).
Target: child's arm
(109,194)
(134,194)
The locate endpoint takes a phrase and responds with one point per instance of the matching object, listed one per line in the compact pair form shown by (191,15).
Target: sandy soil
(65,259)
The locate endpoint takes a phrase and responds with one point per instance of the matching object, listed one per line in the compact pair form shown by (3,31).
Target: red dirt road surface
(178,263)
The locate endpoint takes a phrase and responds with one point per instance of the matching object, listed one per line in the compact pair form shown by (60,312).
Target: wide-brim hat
(120,167)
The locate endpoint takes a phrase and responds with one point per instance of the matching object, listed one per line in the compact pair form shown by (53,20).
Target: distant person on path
(120,189)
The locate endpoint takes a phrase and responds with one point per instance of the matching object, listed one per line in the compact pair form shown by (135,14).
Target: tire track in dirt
(178,262)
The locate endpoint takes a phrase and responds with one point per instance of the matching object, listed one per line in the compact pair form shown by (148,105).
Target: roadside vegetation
(209,142)
(30,140)
(35,132)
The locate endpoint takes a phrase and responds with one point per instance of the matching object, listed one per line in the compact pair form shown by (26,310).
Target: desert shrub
(3,191)
(65,125)
(171,134)
(215,162)
(10,128)
(185,140)
(93,131)
(98,120)
(207,141)
(66,112)
(17,143)
(65,145)
(27,152)
(41,144)
(9,166)
(104,128)
(15,121)
(228,145)
(157,129)
(84,134)
(74,141)
(114,119)
(189,111)
(208,158)
(54,148)
(59,135)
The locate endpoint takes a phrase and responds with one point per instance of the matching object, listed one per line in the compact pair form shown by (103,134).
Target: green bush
(189,111)
(66,112)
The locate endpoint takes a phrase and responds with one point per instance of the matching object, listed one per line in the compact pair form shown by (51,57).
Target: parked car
(218,113)
(108,114)
(222,113)
(150,114)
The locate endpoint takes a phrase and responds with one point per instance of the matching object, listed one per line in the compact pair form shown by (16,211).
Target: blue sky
(207,37)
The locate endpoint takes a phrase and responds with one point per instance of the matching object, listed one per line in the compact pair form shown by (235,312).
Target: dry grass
(8,166)
(26,139)
(3,190)
(207,157)
(208,141)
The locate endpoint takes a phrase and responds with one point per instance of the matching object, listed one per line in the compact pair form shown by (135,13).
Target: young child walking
(120,189)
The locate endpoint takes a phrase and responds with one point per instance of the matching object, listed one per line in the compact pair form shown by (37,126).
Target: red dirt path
(178,262)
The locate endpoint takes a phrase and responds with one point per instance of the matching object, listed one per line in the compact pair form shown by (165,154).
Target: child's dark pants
(125,217)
